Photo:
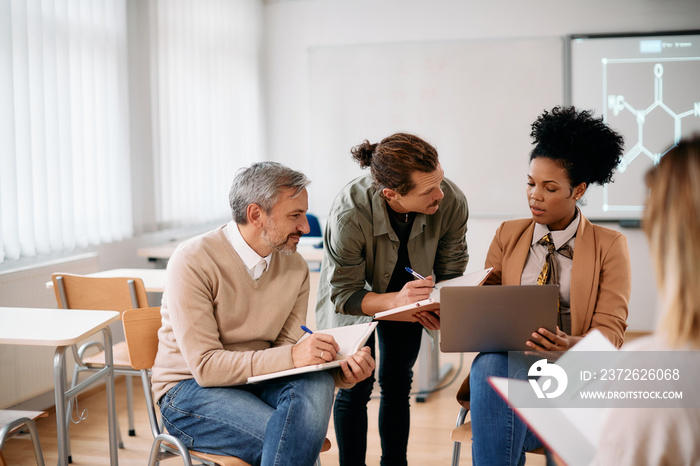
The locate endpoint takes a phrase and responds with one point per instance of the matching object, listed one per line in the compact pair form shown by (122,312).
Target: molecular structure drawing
(616,104)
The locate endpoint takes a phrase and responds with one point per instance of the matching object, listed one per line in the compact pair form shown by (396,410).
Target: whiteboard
(473,100)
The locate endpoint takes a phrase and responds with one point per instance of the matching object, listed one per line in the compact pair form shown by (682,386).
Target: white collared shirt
(255,263)
(538,253)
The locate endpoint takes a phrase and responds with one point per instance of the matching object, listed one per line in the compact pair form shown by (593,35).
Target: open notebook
(406,313)
(350,338)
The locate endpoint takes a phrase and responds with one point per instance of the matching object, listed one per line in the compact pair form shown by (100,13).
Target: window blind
(64,136)
(64,162)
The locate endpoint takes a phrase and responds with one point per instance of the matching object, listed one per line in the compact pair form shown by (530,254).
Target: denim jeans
(499,437)
(399,343)
(278,422)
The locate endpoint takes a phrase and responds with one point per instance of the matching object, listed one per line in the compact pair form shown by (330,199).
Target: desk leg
(59,378)
(111,407)
(429,371)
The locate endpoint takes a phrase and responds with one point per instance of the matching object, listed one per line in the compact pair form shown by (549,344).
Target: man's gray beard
(287,250)
(284,248)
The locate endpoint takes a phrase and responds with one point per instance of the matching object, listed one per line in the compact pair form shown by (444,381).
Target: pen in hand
(416,274)
(308,330)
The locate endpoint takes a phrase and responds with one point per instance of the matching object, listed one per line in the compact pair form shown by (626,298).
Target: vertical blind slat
(209,104)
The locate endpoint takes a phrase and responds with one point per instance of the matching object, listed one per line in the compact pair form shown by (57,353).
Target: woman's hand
(357,367)
(544,340)
(429,319)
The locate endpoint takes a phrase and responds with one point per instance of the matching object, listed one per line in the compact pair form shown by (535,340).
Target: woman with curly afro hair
(558,245)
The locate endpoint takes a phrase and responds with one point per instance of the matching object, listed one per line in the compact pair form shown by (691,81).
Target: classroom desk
(153,279)
(62,328)
(159,254)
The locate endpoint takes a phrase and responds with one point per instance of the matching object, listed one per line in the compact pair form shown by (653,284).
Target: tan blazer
(601,276)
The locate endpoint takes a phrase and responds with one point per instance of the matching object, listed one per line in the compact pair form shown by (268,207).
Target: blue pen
(416,274)
(308,330)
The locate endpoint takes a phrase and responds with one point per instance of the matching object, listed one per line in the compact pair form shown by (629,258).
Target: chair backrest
(314,225)
(99,293)
(141,333)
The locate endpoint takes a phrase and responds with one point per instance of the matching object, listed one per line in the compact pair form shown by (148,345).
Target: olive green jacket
(360,247)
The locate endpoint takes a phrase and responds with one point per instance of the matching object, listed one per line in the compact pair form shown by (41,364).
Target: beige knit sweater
(219,325)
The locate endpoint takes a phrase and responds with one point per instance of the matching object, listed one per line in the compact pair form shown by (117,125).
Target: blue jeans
(499,437)
(399,343)
(278,422)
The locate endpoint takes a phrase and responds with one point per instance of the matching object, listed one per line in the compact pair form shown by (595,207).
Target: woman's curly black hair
(587,148)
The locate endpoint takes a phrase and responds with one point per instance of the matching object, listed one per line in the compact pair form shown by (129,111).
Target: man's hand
(357,367)
(316,349)
(429,319)
(414,291)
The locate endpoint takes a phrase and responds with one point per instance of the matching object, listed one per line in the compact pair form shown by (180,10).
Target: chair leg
(456,451)
(30,425)
(457,446)
(156,449)
(69,411)
(34,433)
(120,442)
(130,405)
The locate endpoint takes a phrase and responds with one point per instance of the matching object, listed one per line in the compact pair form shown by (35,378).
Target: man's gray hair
(261,184)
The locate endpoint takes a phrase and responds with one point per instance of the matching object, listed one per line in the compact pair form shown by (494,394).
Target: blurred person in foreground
(667,436)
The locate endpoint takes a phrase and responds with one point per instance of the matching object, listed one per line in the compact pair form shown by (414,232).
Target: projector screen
(647,87)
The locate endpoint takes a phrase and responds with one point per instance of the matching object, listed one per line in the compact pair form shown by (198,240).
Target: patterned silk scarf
(550,275)
(550,270)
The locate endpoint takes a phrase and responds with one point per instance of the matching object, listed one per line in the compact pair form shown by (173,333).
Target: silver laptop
(495,318)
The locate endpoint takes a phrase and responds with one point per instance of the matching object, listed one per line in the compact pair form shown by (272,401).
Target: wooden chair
(141,330)
(13,422)
(314,226)
(463,433)
(101,293)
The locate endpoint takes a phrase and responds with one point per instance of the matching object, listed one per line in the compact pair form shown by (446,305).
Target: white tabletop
(162,251)
(153,279)
(310,252)
(307,248)
(50,327)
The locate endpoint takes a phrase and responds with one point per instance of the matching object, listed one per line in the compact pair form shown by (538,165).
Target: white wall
(294,27)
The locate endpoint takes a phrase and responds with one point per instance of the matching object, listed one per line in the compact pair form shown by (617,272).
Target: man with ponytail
(405,213)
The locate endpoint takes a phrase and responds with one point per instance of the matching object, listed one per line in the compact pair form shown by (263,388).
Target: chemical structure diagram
(615,104)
